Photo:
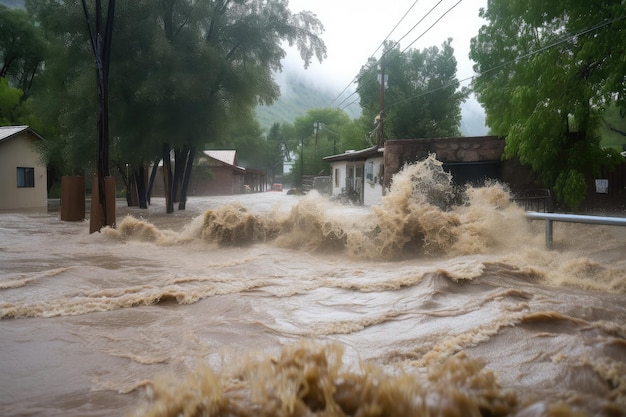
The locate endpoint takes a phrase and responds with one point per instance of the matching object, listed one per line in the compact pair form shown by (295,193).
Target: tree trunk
(101,46)
(126,180)
(153,173)
(179,168)
(140,185)
(133,198)
(186,176)
(102,212)
(167,179)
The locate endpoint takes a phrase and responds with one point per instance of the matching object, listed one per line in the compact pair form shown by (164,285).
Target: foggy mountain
(299,94)
(13,3)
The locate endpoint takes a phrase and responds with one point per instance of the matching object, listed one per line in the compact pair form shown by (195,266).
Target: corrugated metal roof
(228,157)
(8,131)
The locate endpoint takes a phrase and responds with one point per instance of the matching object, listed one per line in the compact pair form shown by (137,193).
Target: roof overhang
(355,155)
(8,132)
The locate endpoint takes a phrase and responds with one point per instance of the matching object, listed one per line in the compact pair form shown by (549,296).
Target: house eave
(355,155)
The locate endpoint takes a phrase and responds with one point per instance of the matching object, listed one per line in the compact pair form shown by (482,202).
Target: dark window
(25,177)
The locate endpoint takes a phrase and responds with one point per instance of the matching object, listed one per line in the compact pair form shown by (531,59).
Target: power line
(543,48)
(398,42)
(376,50)
(394,28)
(569,38)
(431,26)
(420,21)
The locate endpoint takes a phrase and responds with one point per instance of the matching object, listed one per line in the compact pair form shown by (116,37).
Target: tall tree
(421,97)
(22,51)
(100,25)
(22,48)
(316,135)
(278,148)
(547,71)
(66,98)
(10,103)
(186,72)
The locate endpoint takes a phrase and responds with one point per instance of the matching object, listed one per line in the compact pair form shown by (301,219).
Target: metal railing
(539,199)
(550,218)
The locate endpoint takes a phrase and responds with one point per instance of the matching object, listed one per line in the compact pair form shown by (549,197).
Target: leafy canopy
(22,48)
(547,72)
(183,72)
(9,102)
(422,97)
(315,135)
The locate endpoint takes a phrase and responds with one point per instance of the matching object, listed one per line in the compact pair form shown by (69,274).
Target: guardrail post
(549,234)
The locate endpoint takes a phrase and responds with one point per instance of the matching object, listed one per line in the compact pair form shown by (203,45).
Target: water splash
(423,214)
(309,379)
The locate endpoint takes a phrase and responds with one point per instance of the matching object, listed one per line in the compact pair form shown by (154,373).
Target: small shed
(23,176)
(358,175)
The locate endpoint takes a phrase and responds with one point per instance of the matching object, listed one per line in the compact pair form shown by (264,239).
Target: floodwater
(438,302)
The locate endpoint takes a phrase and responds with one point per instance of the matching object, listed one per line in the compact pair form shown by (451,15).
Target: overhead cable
(504,64)
(376,50)
(397,42)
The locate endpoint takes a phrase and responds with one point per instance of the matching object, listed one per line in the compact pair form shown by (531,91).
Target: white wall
(372,188)
(338,172)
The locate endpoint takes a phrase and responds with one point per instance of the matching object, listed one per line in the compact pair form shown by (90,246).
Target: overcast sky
(355,28)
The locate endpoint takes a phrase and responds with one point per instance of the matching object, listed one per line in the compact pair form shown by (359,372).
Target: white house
(23,176)
(358,175)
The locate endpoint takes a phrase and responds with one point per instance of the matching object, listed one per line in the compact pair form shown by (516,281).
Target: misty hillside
(297,96)
(13,3)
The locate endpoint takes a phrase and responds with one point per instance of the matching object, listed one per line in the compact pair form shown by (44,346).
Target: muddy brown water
(279,305)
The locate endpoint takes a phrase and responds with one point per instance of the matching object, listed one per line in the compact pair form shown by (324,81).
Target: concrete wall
(20,151)
(457,149)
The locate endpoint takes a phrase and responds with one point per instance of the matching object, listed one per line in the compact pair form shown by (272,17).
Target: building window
(25,177)
(336,177)
(369,171)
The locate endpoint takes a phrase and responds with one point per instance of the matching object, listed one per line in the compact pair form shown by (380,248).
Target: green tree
(314,136)
(277,143)
(22,48)
(422,96)
(183,73)
(9,103)
(613,128)
(547,71)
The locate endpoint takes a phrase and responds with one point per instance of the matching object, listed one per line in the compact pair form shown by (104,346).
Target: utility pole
(382,105)
(316,126)
(302,163)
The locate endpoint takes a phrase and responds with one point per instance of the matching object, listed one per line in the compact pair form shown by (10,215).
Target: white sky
(355,28)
